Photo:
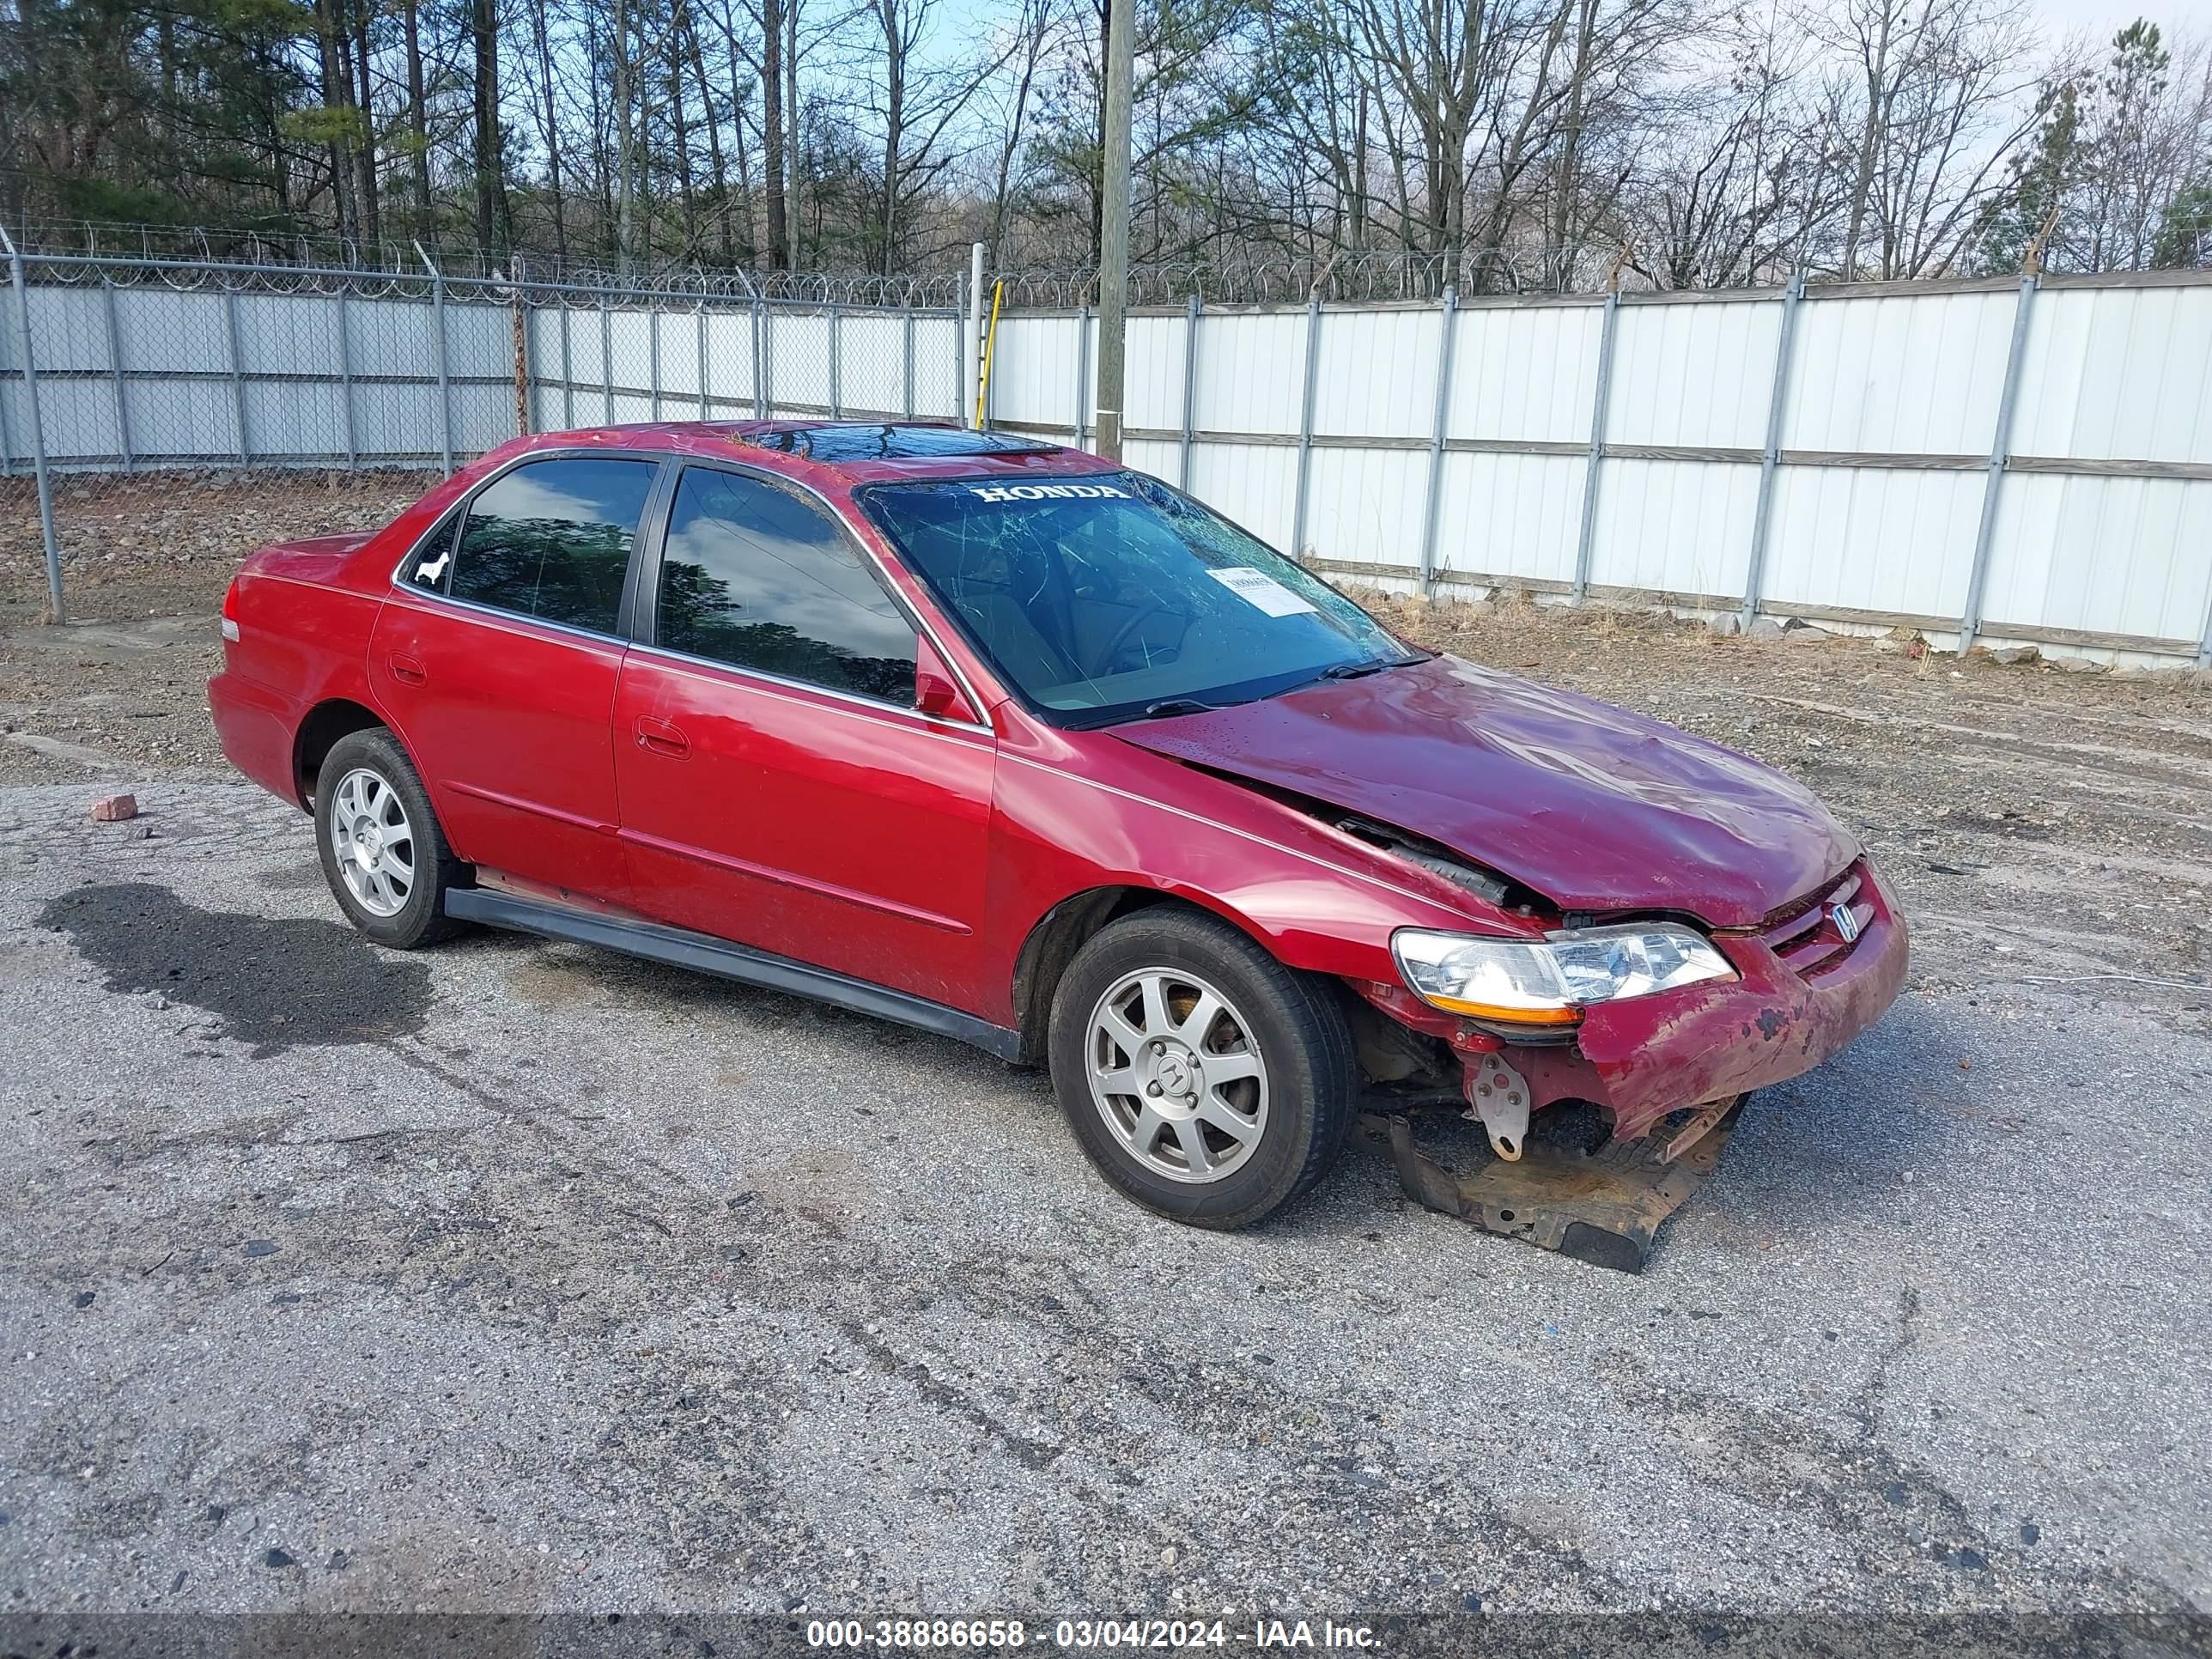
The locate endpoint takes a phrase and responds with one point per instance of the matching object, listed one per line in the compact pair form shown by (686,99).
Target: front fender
(1106,815)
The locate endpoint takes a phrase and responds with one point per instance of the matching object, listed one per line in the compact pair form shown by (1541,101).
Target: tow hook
(1498,1099)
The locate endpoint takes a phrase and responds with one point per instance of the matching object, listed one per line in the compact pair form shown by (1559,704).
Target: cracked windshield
(1112,598)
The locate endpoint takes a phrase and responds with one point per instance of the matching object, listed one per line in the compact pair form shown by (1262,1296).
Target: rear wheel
(383,852)
(1207,1081)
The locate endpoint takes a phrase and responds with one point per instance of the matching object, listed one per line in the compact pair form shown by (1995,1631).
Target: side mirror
(936,693)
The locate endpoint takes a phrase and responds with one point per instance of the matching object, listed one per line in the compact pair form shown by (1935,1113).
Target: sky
(2106,17)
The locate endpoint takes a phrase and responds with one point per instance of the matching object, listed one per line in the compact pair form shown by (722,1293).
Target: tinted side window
(754,576)
(550,539)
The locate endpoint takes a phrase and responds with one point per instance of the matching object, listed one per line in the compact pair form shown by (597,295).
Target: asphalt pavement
(510,1275)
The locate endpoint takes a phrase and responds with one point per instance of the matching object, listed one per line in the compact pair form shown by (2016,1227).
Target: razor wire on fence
(115,369)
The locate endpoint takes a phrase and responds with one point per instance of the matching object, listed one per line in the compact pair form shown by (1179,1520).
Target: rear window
(550,539)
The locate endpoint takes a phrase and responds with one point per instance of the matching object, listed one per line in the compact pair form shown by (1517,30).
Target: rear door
(778,786)
(497,660)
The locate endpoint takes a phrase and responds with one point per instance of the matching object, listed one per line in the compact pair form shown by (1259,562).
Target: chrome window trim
(776,684)
(730,464)
(590,636)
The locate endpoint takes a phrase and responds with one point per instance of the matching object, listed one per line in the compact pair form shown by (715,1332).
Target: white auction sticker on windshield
(1258,587)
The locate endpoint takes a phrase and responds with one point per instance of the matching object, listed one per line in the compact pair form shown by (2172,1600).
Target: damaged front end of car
(1607,1059)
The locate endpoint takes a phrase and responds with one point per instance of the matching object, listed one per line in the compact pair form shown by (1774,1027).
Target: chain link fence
(127,380)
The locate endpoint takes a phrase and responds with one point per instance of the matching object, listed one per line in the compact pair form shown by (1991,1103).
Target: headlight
(1549,982)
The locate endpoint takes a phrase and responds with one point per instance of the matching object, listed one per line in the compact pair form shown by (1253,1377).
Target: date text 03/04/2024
(1106,1635)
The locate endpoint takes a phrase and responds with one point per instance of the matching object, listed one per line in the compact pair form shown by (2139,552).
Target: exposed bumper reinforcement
(1604,1207)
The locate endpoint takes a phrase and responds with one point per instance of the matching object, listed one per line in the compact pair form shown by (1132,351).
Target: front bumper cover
(1644,1057)
(1651,1056)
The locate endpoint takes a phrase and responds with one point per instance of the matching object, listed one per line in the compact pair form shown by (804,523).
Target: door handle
(409,671)
(662,738)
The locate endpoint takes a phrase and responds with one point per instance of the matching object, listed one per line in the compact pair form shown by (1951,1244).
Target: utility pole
(1114,224)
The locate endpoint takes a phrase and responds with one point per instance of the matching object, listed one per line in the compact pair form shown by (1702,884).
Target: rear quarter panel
(304,618)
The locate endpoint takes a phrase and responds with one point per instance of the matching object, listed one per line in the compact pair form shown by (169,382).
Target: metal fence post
(568,372)
(760,388)
(837,368)
(37,432)
(906,357)
(1969,622)
(345,385)
(972,348)
(764,361)
(653,357)
(1189,388)
(701,318)
(237,372)
(1081,372)
(1586,545)
(115,363)
(607,354)
(445,379)
(1306,427)
(7,438)
(1450,319)
(1770,457)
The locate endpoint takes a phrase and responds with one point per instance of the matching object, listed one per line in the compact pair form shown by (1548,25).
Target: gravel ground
(511,1275)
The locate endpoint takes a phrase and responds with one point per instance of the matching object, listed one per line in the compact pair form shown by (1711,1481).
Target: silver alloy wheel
(373,842)
(1176,1075)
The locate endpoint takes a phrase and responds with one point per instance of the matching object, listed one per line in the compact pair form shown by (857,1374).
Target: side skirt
(705,954)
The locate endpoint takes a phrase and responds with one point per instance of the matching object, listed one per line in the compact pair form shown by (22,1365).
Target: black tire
(1294,1020)
(421,919)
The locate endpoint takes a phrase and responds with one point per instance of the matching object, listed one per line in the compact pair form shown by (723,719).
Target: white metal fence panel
(1254,485)
(730,370)
(1674,528)
(1251,372)
(871,363)
(799,363)
(1692,373)
(1033,371)
(2118,374)
(1525,373)
(1878,542)
(1917,374)
(2020,460)
(1154,375)
(1366,504)
(1506,516)
(939,354)
(2011,458)
(2106,555)
(1377,376)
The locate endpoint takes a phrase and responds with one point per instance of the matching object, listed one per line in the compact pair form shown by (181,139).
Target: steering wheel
(1121,635)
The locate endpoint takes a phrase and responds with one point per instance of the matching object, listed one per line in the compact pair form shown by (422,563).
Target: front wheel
(383,852)
(1205,1080)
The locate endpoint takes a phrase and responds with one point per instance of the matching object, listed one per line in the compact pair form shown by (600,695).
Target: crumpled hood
(1596,807)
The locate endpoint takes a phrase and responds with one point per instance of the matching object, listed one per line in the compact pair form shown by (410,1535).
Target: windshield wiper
(1169,707)
(1355,670)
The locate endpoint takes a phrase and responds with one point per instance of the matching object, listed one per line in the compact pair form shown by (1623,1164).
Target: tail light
(230,612)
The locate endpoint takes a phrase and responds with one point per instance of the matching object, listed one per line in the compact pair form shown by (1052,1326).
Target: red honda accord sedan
(1000,740)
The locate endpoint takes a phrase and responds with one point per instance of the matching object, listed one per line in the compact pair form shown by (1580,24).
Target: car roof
(824,453)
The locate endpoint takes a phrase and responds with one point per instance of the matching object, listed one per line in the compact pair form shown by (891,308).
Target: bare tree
(1936,93)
